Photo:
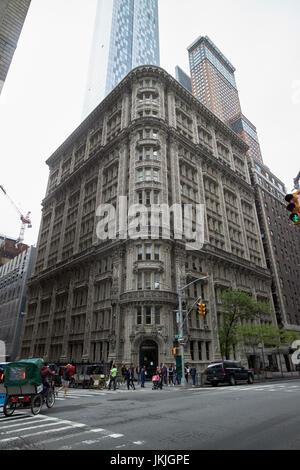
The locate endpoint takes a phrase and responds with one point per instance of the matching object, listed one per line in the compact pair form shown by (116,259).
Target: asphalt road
(244,417)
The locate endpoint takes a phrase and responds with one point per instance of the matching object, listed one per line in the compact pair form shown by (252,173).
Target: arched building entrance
(149,356)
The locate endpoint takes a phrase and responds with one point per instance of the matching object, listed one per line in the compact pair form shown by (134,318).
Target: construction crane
(24,219)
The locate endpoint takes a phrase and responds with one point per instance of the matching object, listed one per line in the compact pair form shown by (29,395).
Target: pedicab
(24,387)
(2,388)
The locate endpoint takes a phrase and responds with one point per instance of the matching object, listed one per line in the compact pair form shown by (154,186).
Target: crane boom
(24,219)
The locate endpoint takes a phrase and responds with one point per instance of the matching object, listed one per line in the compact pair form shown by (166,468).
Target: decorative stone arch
(150,339)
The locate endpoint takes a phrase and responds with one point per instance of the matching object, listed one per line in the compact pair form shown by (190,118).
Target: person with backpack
(65,380)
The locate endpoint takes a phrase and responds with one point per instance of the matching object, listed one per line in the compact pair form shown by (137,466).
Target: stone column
(49,235)
(64,354)
(224,214)
(50,322)
(79,217)
(89,314)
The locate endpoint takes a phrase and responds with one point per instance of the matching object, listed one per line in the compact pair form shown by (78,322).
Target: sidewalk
(257,379)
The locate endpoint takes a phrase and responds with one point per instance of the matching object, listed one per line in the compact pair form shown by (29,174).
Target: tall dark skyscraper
(213,83)
(126,35)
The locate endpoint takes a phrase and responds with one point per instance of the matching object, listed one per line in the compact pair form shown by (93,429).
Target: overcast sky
(41,102)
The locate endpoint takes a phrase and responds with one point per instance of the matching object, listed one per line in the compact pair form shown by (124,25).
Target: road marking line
(25,436)
(35,427)
(29,421)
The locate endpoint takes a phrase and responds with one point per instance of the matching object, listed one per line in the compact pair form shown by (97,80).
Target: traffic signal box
(293,207)
(201,309)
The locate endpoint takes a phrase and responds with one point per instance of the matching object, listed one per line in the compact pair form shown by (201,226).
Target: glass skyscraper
(126,35)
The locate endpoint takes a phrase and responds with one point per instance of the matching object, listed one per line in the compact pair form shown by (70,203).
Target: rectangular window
(156,252)
(157,315)
(148,280)
(140,253)
(192,349)
(155,197)
(148,252)
(148,197)
(140,281)
(141,155)
(155,175)
(154,155)
(200,350)
(147,154)
(140,198)
(207,350)
(148,315)
(157,280)
(140,175)
(139,315)
(148,175)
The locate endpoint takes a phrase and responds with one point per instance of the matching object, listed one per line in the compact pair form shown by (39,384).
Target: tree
(238,307)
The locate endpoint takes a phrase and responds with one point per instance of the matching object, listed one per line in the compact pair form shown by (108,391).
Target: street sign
(177,336)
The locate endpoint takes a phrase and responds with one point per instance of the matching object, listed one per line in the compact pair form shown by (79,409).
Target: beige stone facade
(90,300)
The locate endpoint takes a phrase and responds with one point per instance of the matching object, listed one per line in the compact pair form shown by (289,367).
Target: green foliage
(238,307)
(271,335)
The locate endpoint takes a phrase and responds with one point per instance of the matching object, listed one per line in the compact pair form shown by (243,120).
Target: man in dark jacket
(193,374)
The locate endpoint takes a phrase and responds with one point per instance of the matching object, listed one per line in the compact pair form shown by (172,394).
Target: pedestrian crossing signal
(293,207)
(201,308)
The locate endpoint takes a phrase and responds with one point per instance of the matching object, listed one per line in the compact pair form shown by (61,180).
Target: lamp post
(181,321)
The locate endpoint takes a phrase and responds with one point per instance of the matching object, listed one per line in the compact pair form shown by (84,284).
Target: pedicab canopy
(25,371)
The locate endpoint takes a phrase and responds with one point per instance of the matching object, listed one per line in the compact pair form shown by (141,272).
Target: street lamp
(180,318)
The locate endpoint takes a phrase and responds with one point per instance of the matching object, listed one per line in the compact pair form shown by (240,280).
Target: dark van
(228,372)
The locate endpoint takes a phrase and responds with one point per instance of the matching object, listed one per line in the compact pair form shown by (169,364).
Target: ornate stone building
(152,142)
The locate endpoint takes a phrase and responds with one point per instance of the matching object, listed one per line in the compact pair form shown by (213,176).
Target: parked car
(228,372)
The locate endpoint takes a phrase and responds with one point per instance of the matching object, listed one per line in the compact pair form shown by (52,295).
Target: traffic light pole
(181,321)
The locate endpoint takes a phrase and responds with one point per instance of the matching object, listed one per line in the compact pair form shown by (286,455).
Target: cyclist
(45,372)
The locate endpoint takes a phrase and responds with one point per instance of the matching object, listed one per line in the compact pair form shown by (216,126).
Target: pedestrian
(113,377)
(171,375)
(143,376)
(165,374)
(186,373)
(65,380)
(123,373)
(129,374)
(138,373)
(160,375)
(193,374)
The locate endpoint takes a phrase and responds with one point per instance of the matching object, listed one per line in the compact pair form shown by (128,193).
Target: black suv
(228,372)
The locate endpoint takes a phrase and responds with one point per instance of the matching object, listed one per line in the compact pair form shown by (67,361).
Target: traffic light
(201,309)
(176,351)
(293,207)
